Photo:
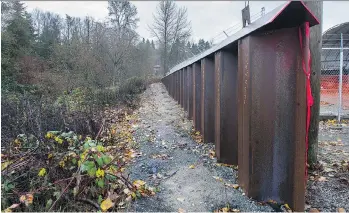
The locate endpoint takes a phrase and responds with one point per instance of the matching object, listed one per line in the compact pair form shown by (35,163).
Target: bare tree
(123,16)
(123,19)
(171,27)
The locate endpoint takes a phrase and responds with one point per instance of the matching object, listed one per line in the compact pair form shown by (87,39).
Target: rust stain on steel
(270,123)
(226,139)
(207,100)
(190,91)
(197,96)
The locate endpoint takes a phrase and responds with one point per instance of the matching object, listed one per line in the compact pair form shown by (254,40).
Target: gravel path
(328,186)
(168,151)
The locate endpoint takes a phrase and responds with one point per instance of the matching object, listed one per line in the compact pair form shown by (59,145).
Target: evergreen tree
(16,42)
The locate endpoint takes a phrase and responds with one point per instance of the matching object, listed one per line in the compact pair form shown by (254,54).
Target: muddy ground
(188,177)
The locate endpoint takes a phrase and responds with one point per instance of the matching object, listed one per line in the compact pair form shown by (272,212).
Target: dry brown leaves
(196,136)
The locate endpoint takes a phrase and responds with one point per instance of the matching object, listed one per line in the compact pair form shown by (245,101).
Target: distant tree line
(48,59)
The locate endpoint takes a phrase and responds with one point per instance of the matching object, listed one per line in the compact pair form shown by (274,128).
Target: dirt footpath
(182,169)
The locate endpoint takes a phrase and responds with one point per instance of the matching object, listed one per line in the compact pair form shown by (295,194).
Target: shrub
(67,168)
(130,89)
(37,112)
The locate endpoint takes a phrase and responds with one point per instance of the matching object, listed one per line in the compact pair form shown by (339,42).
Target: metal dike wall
(247,95)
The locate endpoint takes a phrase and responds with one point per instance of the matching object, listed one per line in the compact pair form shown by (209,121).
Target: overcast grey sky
(208,18)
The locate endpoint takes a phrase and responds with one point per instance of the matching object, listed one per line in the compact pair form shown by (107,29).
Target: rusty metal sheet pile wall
(247,95)
(197,82)
(185,97)
(207,100)
(181,87)
(190,92)
(290,14)
(226,138)
(177,86)
(272,116)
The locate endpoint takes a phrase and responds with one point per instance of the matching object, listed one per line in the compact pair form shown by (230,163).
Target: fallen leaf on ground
(138,183)
(26,199)
(162,156)
(287,207)
(329,170)
(212,154)
(129,198)
(235,186)
(126,191)
(5,164)
(227,209)
(106,204)
(180,210)
(340,210)
(13,206)
(30,198)
(333,143)
(218,178)
(322,179)
(191,167)
(313,210)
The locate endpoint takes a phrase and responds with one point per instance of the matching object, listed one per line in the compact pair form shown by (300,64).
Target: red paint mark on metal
(306,61)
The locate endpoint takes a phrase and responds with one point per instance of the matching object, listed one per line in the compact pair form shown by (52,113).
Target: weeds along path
(184,171)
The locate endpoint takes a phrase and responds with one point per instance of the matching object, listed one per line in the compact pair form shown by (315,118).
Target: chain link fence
(334,93)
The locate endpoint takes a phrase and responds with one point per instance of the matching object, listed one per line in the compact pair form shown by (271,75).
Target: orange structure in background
(329,90)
